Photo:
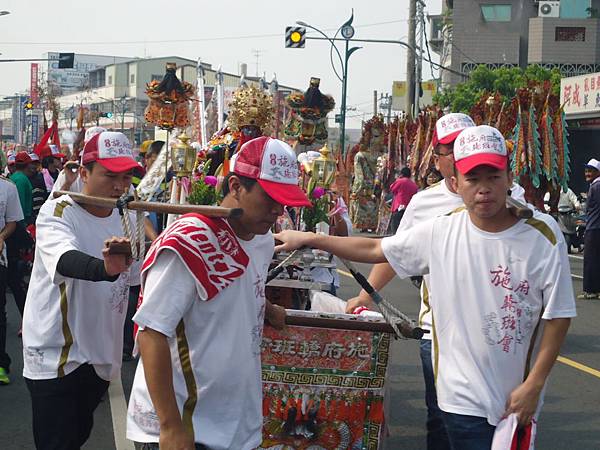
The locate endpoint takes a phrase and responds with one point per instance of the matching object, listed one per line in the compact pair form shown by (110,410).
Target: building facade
(498,33)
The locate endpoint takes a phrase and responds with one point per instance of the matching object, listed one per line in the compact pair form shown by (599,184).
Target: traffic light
(66,60)
(108,115)
(28,105)
(295,37)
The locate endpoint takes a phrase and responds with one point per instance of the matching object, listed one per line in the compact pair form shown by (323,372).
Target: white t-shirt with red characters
(215,350)
(435,201)
(69,322)
(489,294)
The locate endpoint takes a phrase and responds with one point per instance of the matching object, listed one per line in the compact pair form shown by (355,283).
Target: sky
(225,33)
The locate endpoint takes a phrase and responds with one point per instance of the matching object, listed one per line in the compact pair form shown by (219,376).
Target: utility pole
(257,54)
(419,54)
(374,103)
(410,57)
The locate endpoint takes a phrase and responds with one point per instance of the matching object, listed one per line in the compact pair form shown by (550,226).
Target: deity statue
(364,199)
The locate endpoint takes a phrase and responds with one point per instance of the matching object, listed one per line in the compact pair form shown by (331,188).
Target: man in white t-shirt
(202,308)
(76,304)
(499,314)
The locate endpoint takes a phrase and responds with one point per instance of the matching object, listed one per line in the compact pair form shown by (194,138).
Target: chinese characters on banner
(580,94)
(323,387)
(33,88)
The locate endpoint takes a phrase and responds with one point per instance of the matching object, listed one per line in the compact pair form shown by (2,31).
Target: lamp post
(347,32)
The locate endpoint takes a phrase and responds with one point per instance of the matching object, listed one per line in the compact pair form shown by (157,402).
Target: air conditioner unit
(549,9)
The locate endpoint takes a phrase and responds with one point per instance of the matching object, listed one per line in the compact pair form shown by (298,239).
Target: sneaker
(4,380)
(589,296)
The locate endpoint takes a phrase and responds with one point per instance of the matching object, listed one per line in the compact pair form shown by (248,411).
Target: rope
(137,239)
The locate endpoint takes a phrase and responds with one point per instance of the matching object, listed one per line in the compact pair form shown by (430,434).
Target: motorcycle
(572,225)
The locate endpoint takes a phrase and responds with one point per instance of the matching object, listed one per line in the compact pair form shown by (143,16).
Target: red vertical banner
(34,85)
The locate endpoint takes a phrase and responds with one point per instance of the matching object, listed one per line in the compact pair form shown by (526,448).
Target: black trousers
(63,408)
(591,261)
(396,218)
(128,342)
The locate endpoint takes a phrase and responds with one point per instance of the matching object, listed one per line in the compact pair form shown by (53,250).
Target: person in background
(10,214)
(24,170)
(591,243)
(51,165)
(403,189)
(566,200)
(39,193)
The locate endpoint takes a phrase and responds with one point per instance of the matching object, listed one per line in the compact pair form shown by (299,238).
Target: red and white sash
(208,248)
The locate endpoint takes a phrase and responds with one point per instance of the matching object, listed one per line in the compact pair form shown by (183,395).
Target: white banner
(580,95)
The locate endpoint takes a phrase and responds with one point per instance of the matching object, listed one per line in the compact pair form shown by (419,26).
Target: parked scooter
(572,226)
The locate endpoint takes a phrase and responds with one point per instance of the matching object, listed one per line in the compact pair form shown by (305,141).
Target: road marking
(579,366)
(579,277)
(576,257)
(118,412)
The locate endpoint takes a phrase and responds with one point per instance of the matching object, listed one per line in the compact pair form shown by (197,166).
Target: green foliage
(200,192)
(505,80)
(318,213)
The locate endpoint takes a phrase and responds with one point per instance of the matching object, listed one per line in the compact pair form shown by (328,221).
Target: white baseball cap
(448,127)
(593,164)
(91,132)
(112,150)
(272,163)
(478,146)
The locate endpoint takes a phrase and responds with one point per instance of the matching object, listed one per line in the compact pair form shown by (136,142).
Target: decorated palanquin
(323,388)
(307,122)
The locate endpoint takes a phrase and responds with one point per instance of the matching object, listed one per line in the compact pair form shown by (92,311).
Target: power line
(166,41)
(424,25)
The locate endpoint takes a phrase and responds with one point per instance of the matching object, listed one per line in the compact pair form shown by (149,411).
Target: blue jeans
(468,432)
(437,436)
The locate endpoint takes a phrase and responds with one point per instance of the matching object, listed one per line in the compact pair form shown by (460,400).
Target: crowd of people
(194,308)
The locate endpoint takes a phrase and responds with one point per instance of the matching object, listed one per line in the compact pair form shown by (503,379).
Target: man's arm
(524,399)
(8,229)
(357,249)
(156,357)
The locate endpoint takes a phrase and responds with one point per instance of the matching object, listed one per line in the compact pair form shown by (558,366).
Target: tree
(504,80)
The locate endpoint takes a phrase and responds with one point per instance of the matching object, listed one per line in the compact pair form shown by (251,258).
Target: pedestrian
(24,170)
(75,309)
(591,239)
(10,214)
(494,305)
(39,193)
(201,313)
(51,164)
(403,189)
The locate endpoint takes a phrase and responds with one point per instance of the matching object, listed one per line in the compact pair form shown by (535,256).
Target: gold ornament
(251,107)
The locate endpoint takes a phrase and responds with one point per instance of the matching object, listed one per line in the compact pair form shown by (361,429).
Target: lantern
(183,156)
(324,168)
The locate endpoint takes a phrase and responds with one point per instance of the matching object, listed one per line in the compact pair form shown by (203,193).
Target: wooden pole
(166,208)
(338,324)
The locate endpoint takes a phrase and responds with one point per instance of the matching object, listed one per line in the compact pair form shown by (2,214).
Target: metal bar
(167,208)
(339,324)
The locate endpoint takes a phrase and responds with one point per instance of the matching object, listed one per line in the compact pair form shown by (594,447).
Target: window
(110,80)
(132,78)
(156,77)
(496,13)
(569,34)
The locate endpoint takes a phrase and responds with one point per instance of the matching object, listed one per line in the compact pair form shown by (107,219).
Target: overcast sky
(224,33)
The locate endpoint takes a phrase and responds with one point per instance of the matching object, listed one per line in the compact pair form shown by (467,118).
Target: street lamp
(347,32)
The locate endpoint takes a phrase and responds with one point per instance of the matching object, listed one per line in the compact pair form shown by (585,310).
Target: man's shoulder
(6,183)
(545,227)
(56,207)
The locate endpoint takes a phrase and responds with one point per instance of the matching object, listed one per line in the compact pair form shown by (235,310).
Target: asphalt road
(570,418)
